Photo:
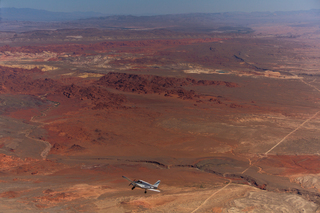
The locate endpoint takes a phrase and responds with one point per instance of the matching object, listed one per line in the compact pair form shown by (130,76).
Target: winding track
(216,192)
(46,150)
(306,121)
(266,153)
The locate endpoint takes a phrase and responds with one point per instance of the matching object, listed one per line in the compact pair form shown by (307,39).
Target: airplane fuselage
(144,185)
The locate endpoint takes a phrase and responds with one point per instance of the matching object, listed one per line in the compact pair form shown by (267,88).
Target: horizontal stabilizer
(155,190)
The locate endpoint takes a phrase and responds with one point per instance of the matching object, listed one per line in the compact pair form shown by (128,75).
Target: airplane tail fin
(156,184)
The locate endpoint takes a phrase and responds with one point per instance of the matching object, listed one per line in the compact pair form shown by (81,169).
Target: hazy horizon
(145,7)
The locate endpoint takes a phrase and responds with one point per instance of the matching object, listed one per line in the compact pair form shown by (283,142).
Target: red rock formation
(182,93)
(233,105)
(9,194)
(76,148)
(18,166)
(99,96)
(57,148)
(150,84)
(19,81)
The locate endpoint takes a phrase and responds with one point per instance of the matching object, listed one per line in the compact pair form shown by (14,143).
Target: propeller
(132,182)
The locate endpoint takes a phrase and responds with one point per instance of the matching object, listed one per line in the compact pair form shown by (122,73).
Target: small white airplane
(143,185)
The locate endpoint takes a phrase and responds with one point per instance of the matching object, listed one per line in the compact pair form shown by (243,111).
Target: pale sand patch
(42,67)
(267,73)
(307,181)
(90,75)
(69,74)
(76,37)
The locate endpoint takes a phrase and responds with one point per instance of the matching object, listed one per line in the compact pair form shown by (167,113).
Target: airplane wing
(155,190)
(127,179)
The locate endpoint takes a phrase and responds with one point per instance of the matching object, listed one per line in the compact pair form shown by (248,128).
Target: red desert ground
(227,117)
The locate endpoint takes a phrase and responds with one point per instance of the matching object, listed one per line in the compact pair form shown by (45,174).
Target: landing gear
(145,191)
(133,187)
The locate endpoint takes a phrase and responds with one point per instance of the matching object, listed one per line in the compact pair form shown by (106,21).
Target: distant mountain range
(22,20)
(27,14)
(34,15)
